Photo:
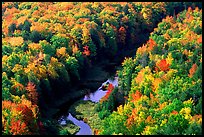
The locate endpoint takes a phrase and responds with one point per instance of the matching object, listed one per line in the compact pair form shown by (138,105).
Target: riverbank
(68,128)
(86,111)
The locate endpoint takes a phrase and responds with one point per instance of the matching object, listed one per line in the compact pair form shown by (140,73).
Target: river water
(94,97)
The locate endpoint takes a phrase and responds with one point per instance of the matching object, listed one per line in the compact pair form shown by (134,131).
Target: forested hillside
(48,46)
(163,82)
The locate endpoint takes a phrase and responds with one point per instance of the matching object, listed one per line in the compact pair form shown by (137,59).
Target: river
(94,97)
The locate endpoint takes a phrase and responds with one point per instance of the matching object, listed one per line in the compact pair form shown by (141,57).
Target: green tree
(59,41)
(72,66)
(35,36)
(6,50)
(26,26)
(48,48)
(11,29)
(6,85)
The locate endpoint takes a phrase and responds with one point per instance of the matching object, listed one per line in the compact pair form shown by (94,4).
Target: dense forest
(156,48)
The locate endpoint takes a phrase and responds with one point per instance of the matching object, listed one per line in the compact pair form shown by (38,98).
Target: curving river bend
(94,97)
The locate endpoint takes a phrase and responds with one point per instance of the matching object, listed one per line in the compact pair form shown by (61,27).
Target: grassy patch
(69,129)
(86,111)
